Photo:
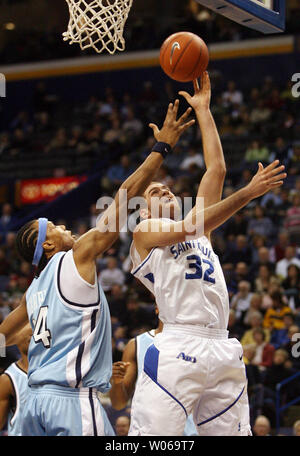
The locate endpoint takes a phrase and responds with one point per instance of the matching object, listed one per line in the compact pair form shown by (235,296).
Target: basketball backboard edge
(250,14)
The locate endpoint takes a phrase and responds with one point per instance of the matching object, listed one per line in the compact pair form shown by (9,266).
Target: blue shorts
(53,410)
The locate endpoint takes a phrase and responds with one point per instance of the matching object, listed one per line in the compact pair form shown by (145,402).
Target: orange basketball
(184,56)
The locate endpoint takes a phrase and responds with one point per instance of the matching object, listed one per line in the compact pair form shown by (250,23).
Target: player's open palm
(172,128)
(266,179)
(201,98)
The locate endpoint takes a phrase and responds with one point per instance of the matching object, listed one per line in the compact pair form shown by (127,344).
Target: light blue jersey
(143,342)
(71,343)
(19,380)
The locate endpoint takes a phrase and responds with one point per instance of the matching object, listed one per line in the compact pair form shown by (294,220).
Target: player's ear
(48,247)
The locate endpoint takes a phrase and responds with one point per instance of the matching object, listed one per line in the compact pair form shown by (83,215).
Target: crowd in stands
(259,247)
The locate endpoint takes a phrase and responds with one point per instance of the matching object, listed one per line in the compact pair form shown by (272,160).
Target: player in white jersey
(14,387)
(70,351)
(192,367)
(126,373)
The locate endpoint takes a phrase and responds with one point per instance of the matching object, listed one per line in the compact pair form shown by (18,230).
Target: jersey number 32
(197,265)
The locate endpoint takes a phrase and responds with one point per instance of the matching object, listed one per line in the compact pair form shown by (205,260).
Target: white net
(98,24)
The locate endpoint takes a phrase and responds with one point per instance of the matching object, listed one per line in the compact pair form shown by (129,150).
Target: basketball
(184,56)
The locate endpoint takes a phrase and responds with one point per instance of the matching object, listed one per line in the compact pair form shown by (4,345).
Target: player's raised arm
(211,185)
(159,233)
(99,239)
(124,377)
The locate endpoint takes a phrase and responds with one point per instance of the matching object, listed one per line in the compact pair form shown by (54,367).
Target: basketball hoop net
(98,24)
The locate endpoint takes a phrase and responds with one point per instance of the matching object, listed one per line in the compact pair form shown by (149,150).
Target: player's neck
(23,363)
(159,328)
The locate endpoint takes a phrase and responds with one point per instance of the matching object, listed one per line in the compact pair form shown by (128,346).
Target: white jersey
(187,281)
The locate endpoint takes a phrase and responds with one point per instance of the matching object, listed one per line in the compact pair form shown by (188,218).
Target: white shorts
(192,370)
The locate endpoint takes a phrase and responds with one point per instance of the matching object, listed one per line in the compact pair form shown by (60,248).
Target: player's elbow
(220,171)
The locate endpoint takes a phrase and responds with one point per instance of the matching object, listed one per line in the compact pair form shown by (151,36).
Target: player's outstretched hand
(266,179)
(118,372)
(201,98)
(172,128)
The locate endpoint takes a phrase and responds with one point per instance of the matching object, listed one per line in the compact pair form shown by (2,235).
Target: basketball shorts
(194,370)
(53,410)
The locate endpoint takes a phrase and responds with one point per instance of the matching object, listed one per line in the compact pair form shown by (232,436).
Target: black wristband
(162,147)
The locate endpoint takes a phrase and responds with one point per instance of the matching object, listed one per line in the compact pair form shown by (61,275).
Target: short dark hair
(26,240)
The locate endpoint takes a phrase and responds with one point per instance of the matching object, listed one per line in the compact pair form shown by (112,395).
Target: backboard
(266,16)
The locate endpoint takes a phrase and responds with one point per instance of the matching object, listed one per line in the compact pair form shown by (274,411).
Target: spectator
(236,225)
(262,426)
(114,133)
(122,426)
(240,251)
(117,303)
(274,315)
(291,286)
(292,220)
(276,373)
(5,218)
(277,251)
(254,308)
(112,275)
(257,153)
(264,351)
(264,279)
(116,174)
(284,205)
(260,224)
(132,127)
(232,96)
(258,241)
(294,159)
(241,300)
(289,258)
(259,114)
(193,158)
(242,272)
(263,259)
(279,337)
(256,321)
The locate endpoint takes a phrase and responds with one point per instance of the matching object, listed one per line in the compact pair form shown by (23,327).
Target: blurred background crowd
(259,248)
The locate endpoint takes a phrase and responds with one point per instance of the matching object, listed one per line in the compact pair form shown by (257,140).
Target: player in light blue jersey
(14,387)
(70,354)
(126,373)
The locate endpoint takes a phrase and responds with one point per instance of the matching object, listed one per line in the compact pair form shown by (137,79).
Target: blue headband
(43,223)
